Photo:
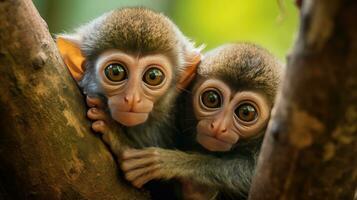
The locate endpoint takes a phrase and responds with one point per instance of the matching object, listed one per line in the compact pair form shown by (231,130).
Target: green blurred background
(272,24)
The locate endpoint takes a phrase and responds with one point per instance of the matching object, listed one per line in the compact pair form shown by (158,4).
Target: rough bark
(311,144)
(47,150)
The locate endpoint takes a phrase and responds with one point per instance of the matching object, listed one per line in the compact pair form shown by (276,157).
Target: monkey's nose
(217,130)
(126,99)
(220,131)
(132,99)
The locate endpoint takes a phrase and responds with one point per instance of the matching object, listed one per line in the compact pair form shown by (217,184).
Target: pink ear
(72,56)
(190,71)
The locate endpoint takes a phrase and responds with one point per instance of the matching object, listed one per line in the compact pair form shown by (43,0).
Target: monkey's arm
(225,174)
(113,137)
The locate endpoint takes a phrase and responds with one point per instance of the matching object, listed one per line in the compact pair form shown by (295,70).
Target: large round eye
(153,76)
(116,72)
(246,112)
(211,99)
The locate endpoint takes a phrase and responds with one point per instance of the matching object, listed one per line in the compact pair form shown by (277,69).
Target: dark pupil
(211,99)
(116,70)
(153,74)
(246,112)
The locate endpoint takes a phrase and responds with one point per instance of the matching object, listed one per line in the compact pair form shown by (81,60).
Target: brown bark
(311,144)
(47,150)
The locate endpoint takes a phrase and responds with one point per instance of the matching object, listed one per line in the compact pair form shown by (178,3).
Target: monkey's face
(133,84)
(225,115)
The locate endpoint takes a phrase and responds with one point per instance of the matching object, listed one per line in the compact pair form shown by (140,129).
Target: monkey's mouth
(128,118)
(212,143)
(132,112)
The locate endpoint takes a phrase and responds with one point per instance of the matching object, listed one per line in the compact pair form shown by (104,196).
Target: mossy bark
(310,148)
(47,150)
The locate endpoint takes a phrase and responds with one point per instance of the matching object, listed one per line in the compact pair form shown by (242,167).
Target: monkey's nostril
(224,130)
(212,126)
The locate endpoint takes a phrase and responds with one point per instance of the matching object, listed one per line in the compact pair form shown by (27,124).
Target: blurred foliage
(271,24)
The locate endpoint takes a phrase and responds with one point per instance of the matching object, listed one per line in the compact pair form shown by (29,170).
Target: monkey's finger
(99,126)
(135,153)
(128,165)
(96,114)
(94,102)
(134,174)
(139,182)
(111,138)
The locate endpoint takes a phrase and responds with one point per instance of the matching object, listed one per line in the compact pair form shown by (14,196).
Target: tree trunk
(47,150)
(310,150)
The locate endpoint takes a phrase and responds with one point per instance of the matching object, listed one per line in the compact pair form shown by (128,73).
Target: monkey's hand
(104,124)
(142,165)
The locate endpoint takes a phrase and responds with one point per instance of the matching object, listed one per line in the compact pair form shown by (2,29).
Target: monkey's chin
(131,118)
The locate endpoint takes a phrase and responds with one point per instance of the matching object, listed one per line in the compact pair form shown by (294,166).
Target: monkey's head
(234,94)
(134,57)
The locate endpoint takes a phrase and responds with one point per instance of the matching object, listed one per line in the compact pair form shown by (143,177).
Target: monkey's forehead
(133,29)
(239,59)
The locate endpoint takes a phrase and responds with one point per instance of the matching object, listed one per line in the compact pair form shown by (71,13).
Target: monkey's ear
(72,56)
(190,71)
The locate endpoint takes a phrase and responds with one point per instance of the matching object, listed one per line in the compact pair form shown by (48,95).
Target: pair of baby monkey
(134,65)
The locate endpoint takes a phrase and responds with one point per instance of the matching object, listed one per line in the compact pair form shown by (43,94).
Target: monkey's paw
(142,165)
(97,115)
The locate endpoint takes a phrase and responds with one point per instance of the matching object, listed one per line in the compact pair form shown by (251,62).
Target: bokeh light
(271,24)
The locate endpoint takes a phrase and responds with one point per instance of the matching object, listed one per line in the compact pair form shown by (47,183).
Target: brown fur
(136,30)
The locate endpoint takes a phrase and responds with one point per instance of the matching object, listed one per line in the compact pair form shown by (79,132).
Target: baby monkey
(232,98)
(134,59)
(131,62)
(230,106)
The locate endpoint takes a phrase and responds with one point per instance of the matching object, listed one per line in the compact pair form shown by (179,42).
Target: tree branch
(310,147)
(47,150)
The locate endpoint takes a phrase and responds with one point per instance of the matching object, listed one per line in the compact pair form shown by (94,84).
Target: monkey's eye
(211,99)
(246,112)
(116,72)
(153,76)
